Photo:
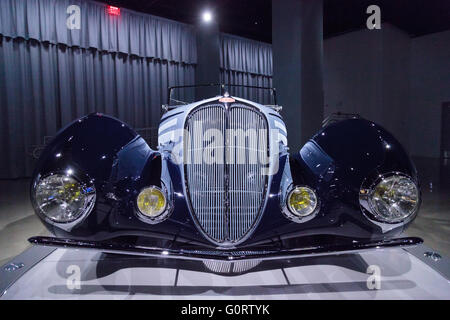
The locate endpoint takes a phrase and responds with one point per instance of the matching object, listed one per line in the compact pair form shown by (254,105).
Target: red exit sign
(114,11)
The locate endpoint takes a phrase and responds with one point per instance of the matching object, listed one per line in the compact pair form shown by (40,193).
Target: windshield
(180,95)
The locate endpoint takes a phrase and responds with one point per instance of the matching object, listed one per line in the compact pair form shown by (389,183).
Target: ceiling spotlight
(207,16)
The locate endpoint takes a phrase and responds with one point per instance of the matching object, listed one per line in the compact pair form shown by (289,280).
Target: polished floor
(17,219)
(404,274)
(18,222)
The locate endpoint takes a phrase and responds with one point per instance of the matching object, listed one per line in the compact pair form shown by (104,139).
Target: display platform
(49,273)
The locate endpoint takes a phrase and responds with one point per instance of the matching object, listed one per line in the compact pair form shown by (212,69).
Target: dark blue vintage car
(222,185)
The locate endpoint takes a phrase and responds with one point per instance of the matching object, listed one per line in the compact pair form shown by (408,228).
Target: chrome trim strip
(226,255)
(282,138)
(167,125)
(280,126)
(168,136)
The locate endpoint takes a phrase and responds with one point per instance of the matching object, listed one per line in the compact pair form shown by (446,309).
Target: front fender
(340,158)
(105,152)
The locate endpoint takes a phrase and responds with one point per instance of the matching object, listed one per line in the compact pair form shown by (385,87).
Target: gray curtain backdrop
(50,75)
(117,65)
(246,62)
(131,33)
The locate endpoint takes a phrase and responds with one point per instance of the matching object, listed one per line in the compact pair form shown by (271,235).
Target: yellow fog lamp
(302,201)
(151,202)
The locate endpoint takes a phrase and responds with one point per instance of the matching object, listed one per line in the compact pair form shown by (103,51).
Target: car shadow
(105,265)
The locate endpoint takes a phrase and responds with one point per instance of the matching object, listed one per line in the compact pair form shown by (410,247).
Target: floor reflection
(340,287)
(433,221)
(103,273)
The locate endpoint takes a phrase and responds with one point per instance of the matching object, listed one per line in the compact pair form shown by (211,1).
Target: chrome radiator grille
(226,187)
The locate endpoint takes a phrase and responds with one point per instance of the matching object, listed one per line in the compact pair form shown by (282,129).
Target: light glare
(207,16)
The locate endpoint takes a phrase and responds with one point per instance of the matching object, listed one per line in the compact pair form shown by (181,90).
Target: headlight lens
(151,202)
(394,199)
(302,201)
(62,198)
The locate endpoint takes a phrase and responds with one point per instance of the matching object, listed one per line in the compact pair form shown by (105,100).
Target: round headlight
(62,198)
(394,199)
(151,202)
(302,201)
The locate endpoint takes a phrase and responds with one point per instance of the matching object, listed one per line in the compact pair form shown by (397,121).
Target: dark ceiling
(252,18)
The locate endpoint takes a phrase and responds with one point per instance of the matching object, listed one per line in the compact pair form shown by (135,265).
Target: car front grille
(225,183)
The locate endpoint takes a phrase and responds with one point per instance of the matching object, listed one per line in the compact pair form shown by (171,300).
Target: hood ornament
(226,98)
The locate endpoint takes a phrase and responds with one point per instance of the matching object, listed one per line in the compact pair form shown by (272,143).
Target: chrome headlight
(302,201)
(393,199)
(62,198)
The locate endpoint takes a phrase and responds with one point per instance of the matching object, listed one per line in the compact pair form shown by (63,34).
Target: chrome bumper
(226,255)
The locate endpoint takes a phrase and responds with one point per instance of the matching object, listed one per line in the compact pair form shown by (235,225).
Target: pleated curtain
(121,65)
(246,62)
(50,75)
